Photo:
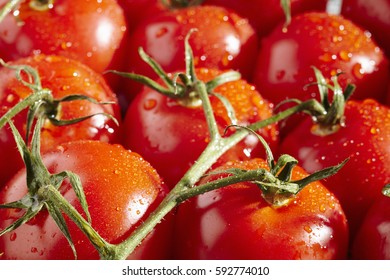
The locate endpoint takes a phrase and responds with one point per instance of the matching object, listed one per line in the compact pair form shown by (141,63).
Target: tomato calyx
(180,86)
(41,101)
(275,183)
(39,178)
(44,193)
(334,117)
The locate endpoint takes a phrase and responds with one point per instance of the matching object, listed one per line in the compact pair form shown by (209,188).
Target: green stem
(201,89)
(23,104)
(216,148)
(50,193)
(7,8)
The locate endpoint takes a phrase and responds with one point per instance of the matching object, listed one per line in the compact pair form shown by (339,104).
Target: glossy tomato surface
(224,40)
(365,139)
(63,77)
(373,16)
(332,44)
(171,136)
(89,31)
(265,15)
(121,190)
(372,240)
(235,222)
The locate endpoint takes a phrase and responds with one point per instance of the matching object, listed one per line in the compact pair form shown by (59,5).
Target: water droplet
(161,32)
(357,71)
(150,104)
(322,208)
(344,55)
(280,75)
(308,229)
(374,130)
(10,98)
(13,236)
(326,57)
(226,59)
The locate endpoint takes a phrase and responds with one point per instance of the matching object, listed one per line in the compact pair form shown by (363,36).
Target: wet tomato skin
(372,239)
(63,76)
(91,32)
(172,136)
(265,15)
(235,222)
(373,16)
(331,43)
(364,139)
(223,40)
(121,189)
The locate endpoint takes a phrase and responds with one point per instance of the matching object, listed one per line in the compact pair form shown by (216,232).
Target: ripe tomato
(372,239)
(330,43)
(235,222)
(136,10)
(63,77)
(121,189)
(91,31)
(365,138)
(265,15)
(171,136)
(224,40)
(373,16)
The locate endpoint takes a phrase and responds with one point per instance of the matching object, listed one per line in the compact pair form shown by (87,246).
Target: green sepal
(286,7)
(28,215)
(284,167)
(386,190)
(319,175)
(77,186)
(56,214)
(229,76)
(228,106)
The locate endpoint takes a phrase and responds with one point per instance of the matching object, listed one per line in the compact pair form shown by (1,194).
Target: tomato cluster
(67,120)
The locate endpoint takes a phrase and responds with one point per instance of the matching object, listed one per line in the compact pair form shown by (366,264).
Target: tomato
(63,77)
(365,139)
(136,10)
(265,15)
(171,135)
(91,31)
(235,222)
(121,189)
(372,239)
(330,43)
(224,40)
(373,16)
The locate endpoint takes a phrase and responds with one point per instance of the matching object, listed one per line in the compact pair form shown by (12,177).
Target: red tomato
(137,10)
(235,222)
(330,43)
(171,136)
(265,15)
(121,190)
(373,16)
(372,239)
(224,40)
(91,31)
(63,77)
(365,138)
